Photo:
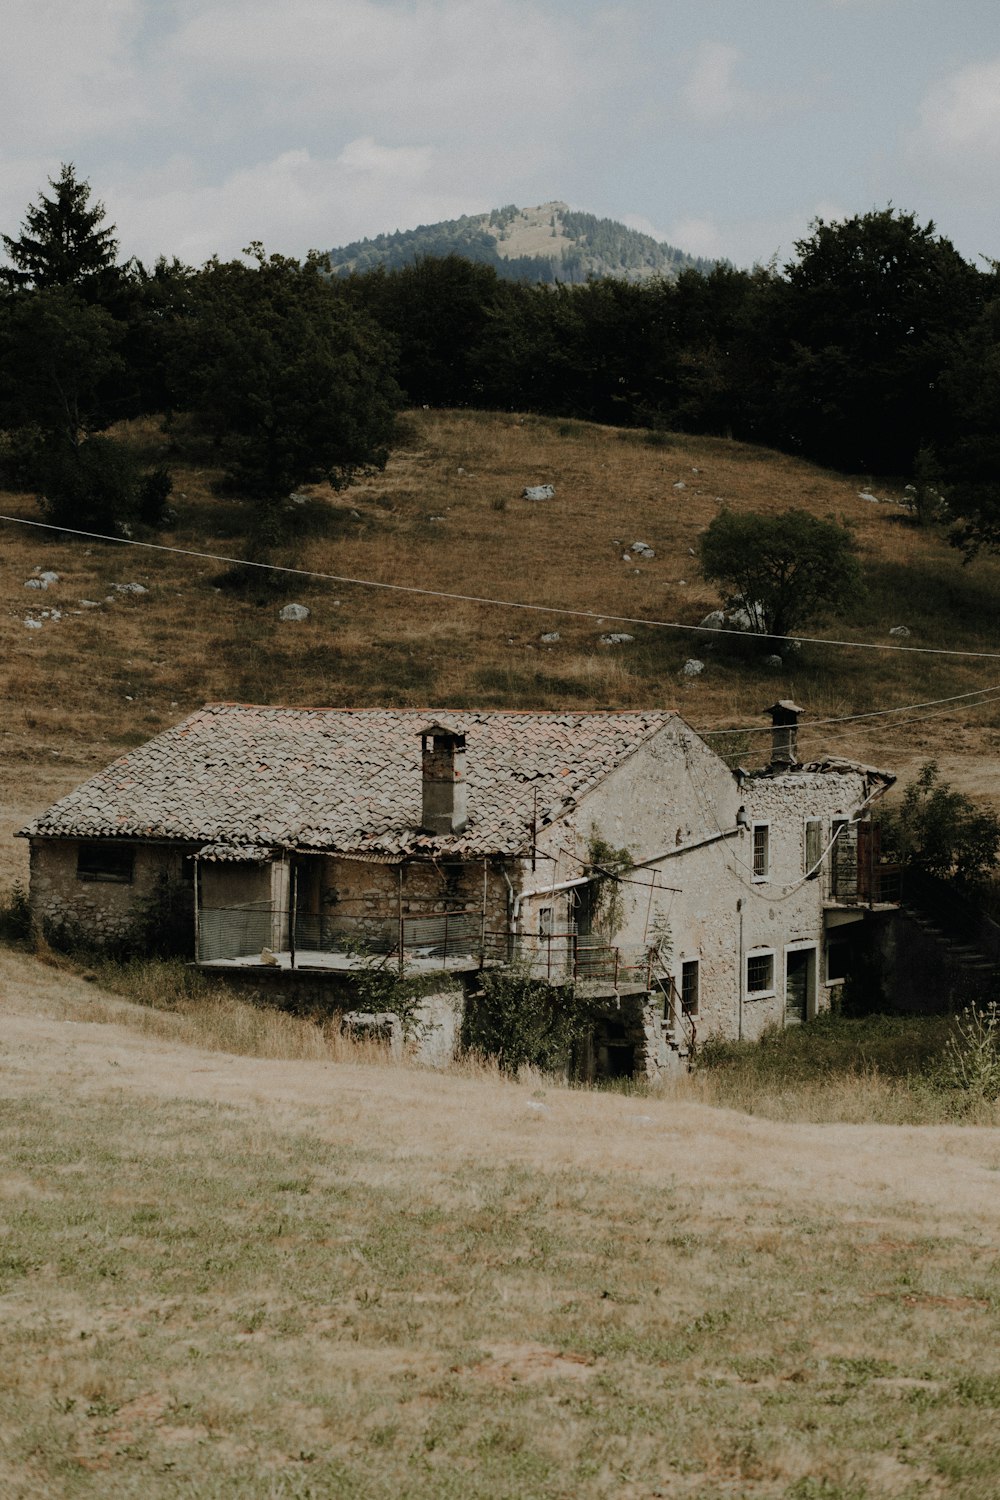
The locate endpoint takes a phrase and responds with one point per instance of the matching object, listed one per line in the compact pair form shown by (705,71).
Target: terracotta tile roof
(343,780)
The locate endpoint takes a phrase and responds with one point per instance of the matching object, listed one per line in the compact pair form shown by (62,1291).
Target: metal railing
(265,935)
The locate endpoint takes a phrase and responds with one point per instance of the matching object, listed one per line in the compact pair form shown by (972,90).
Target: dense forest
(876,350)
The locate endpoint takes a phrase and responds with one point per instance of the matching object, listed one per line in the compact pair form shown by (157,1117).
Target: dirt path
(944,1179)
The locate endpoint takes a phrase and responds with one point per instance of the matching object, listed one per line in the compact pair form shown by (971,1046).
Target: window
(106,861)
(545,922)
(814,846)
(761,851)
(760,974)
(689,987)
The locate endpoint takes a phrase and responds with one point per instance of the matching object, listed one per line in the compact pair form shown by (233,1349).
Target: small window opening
(761,851)
(838,961)
(760,973)
(814,847)
(545,922)
(106,861)
(689,986)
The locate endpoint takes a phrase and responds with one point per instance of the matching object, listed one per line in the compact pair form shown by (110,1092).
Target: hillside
(547,243)
(447,514)
(240,1275)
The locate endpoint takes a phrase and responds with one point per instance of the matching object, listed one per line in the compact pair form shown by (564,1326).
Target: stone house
(613,855)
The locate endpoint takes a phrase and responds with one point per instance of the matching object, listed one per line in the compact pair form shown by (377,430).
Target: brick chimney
(443,768)
(784,734)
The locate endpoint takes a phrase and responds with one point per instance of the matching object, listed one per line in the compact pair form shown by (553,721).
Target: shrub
(521,1022)
(972,1053)
(15,915)
(941,831)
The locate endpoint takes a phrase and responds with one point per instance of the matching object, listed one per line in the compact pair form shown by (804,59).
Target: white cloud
(413,70)
(959,130)
(713,94)
(66,73)
(293,202)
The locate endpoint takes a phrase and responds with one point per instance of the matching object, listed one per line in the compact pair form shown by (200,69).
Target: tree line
(875,350)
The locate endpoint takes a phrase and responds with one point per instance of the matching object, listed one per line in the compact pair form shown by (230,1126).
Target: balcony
(855,874)
(260,936)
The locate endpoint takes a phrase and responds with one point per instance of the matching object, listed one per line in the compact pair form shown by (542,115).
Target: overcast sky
(723,126)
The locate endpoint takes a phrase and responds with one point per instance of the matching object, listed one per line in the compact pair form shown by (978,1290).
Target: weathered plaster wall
(672,793)
(101,910)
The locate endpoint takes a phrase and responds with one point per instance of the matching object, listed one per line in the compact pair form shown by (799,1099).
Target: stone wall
(100,911)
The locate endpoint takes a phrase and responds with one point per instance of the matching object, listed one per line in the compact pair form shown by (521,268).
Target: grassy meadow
(447,515)
(260,1276)
(242,1257)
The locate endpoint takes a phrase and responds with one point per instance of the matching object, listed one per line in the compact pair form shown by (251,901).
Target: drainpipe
(739,977)
(197,913)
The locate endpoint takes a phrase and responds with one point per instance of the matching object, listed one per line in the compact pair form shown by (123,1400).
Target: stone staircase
(966,941)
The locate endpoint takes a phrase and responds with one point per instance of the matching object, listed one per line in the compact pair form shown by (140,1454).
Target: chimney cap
(782,707)
(441,730)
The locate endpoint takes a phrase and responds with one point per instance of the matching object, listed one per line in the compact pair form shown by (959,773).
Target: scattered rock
(90,604)
(297,497)
(355,515)
(129,588)
(33,624)
(773,661)
(643,549)
(867,495)
(435,518)
(714,621)
(680,485)
(900,630)
(538,492)
(550,637)
(619,638)
(48,577)
(693,668)
(34,583)
(626,557)
(293,612)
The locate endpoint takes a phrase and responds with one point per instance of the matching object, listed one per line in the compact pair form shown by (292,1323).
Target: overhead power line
(878,713)
(602,617)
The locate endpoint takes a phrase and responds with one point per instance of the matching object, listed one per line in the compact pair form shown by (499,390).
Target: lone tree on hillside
(63,241)
(781,570)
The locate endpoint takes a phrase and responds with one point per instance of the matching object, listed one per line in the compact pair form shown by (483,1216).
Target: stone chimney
(784,734)
(443,767)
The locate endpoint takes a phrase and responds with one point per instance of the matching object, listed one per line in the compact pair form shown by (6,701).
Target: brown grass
(100,680)
(235,1276)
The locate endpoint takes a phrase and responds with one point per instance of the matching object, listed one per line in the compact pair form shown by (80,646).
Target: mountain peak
(549,242)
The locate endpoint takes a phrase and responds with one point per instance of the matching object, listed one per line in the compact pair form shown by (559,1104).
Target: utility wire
(544,609)
(879,713)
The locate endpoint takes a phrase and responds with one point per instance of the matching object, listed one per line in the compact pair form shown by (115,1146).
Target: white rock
(626,557)
(680,485)
(550,636)
(34,583)
(900,630)
(538,492)
(48,577)
(293,612)
(90,604)
(693,668)
(129,588)
(867,495)
(643,549)
(297,497)
(619,638)
(773,661)
(33,624)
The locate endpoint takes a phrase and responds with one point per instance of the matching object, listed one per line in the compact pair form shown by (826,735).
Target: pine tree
(63,240)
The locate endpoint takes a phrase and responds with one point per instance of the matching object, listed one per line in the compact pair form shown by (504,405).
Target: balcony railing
(266,936)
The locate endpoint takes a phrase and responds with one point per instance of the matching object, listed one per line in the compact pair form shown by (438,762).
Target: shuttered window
(105,861)
(814,846)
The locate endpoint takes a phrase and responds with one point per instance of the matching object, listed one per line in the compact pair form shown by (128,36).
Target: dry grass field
(297,1273)
(447,515)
